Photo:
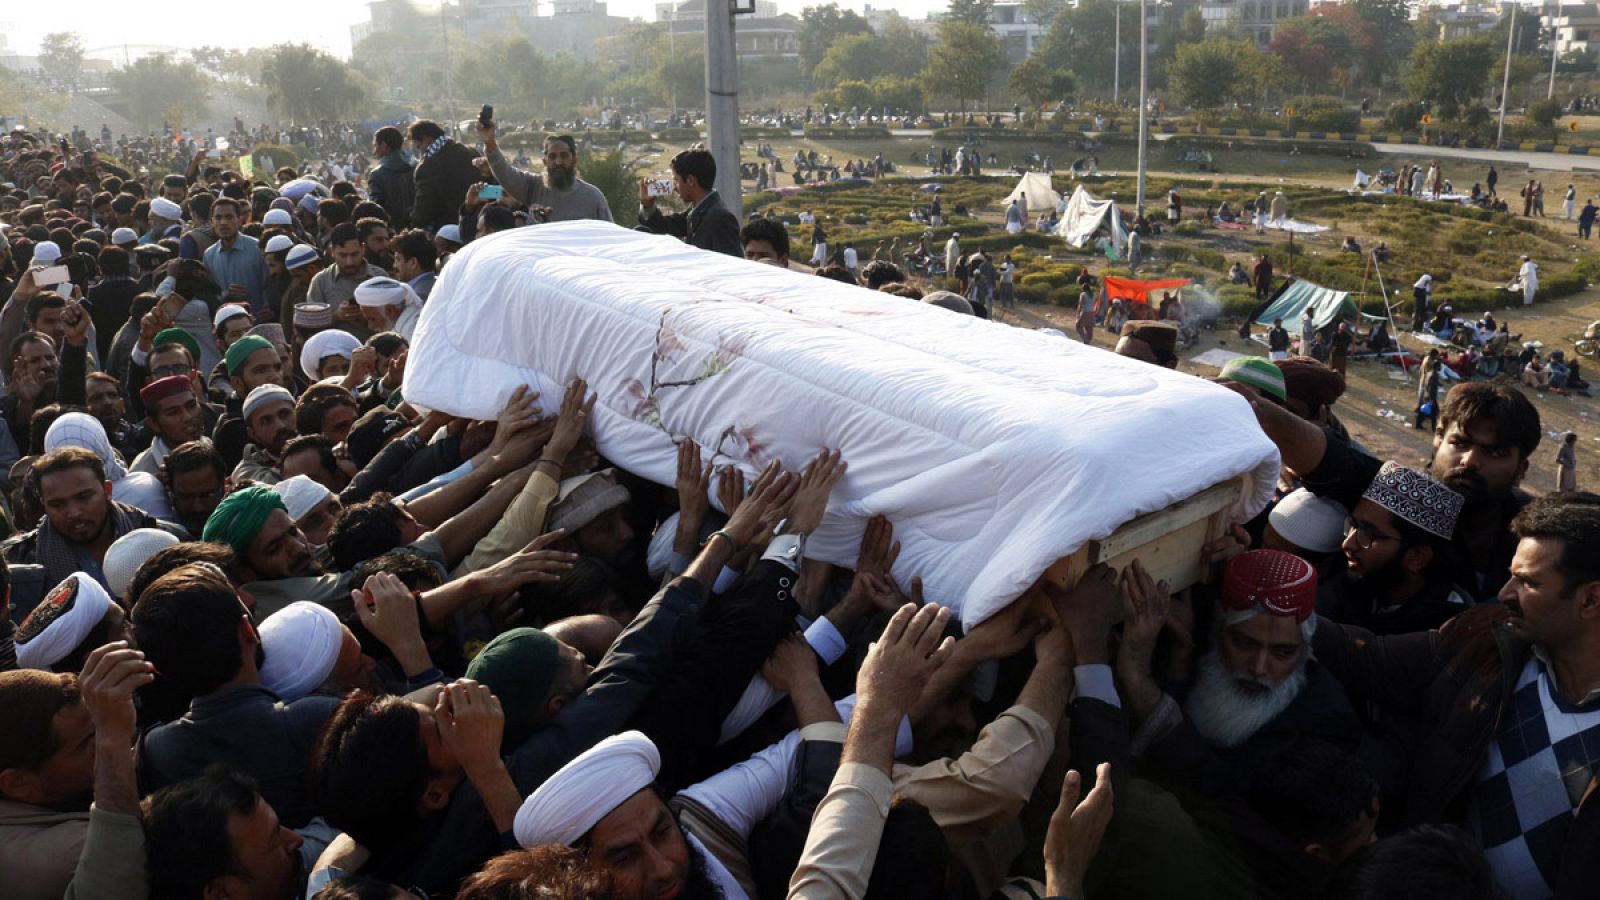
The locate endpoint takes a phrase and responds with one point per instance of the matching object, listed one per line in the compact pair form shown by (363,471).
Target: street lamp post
(1144,94)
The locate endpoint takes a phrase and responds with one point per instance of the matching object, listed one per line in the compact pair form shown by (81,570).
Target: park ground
(1471,254)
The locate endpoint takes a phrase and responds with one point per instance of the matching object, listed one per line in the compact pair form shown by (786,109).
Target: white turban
(586,790)
(385,291)
(166,209)
(127,553)
(301,494)
(264,394)
(300,643)
(61,622)
(324,344)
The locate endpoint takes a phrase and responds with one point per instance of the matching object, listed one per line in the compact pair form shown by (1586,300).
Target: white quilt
(994,450)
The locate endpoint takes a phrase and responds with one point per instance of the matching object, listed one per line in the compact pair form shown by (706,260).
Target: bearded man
(560,190)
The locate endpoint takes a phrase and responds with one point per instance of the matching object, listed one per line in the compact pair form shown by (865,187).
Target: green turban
(241,350)
(178,336)
(519,666)
(240,516)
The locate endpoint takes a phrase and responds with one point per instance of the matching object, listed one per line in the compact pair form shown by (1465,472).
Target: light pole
(1555,33)
(1505,83)
(722,99)
(1144,94)
(1116,55)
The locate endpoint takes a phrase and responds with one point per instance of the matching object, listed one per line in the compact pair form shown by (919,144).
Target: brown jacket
(1456,683)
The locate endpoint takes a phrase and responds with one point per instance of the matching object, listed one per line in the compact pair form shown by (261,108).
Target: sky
(107,24)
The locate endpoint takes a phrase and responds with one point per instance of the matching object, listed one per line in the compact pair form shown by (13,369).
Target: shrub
(683,135)
(864,133)
(1323,114)
(278,155)
(1544,113)
(1404,116)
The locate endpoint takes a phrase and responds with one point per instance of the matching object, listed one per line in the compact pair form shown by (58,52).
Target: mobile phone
(171,305)
(658,187)
(491,192)
(51,275)
(486,115)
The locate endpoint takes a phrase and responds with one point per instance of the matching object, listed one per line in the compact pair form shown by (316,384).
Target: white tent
(1084,217)
(1040,194)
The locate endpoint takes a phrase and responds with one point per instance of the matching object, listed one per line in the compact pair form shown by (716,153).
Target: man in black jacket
(708,224)
(390,182)
(444,172)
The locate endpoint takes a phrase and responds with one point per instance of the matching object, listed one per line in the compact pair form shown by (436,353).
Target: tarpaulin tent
(1140,291)
(1040,194)
(1085,216)
(1294,298)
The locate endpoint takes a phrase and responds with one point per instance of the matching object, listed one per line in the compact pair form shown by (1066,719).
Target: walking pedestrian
(1567,463)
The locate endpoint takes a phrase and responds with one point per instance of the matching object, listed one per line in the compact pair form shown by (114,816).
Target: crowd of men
(273,633)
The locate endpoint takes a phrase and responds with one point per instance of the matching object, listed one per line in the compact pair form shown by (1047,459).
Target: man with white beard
(1254,690)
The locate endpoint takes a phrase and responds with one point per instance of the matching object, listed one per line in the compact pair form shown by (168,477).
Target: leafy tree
(964,63)
(1450,74)
(1206,75)
(1181,23)
(1040,84)
(1083,40)
(973,12)
(1317,48)
(1043,11)
(684,71)
(1544,113)
(1391,37)
(854,57)
(852,95)
(306,84)
(61,58)
(820,26)
(902,49)
(898,93)
(618,179)
(157,89)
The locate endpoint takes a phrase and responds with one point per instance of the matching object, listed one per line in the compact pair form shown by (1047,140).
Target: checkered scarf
(436,146)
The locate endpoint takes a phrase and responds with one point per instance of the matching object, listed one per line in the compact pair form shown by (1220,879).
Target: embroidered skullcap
(1416,498)
(299,255)
(1280,583)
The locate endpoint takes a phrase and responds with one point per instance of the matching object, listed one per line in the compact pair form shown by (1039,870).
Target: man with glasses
(1399,560)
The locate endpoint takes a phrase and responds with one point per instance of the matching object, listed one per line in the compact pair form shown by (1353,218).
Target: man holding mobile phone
(567,196)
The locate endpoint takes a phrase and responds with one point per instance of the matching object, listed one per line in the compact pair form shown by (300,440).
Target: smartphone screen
(51,275)
(491,192)
(171,305)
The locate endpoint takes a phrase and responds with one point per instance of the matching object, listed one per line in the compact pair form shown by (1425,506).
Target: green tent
(1294,298)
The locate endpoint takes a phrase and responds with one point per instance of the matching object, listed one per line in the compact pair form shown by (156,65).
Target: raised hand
(520,412)
(576,405)
(764,507)
(694,499)
(1145,606)
(811,497)
(1073,837)
(1089,610)
(879,549)
(903,659)
(385,606)
(533,564)
(111,674)
(792,661)
(471,723)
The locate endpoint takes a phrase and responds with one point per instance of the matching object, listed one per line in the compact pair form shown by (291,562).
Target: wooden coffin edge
(1166,542)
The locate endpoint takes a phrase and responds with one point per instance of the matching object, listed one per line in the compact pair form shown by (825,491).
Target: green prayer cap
(241,350)
(1257,373)
(178,336)
(519,666)
(241,515)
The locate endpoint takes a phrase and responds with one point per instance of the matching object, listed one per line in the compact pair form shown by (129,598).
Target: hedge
(765,131)
(864,133)
(282,155)
(680,134)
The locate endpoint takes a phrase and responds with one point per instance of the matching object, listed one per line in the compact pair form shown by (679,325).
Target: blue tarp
(1293,298)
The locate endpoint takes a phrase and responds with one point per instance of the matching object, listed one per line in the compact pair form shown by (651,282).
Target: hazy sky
(322,23)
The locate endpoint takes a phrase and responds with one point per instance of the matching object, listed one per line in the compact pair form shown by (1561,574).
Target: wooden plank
(1166,542)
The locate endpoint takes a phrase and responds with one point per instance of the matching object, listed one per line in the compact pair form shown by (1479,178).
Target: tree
(1043,11)
(156,89)
(1544,113)
(681,74)
(903,50)
(1317,48)
(1450,73)
(1391,37)
(854,57)
(61,58)
(1083,40)
(820,26)
(306,84)
(1221,70)
(964,63)
(1041,84)
(973,12)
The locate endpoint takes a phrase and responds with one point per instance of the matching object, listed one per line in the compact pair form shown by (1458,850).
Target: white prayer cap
(278,242)
(263,395)
(1308,521)
(277,217)
(385,291)
(301,644)
(586,790)
(299,255)
(127,553)
(324,344)
(227,311)
(166,209)
(301,494)
(61,622)
(123,237)
(451,233)
(48,252)
(310,202)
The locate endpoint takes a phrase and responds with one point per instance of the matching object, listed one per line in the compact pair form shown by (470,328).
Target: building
(571,26)
(764,35)
(1577,28)
(1257,17)
(1019,32)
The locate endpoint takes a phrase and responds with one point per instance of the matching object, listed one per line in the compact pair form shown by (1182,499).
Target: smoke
(1201,306)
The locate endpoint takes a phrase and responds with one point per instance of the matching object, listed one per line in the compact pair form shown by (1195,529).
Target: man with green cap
(170,351)
(267,545)
(251,362)
(1258,373)
(533,675)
